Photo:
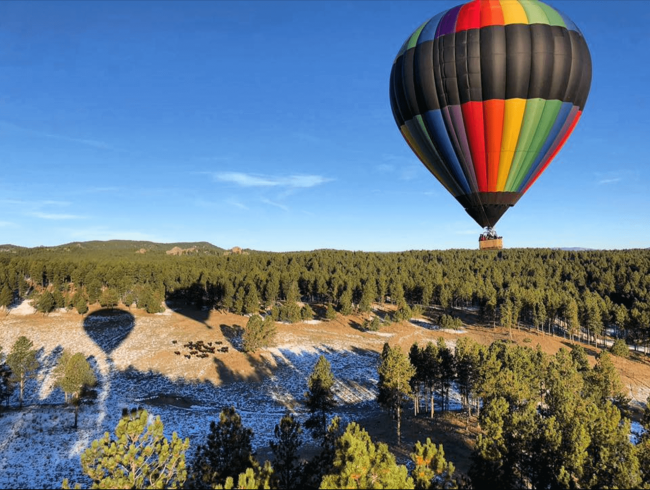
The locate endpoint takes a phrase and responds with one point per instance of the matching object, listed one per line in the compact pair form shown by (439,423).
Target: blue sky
(267,125)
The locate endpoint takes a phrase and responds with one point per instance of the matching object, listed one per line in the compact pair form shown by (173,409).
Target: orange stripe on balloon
(555,152)
(493,111)
(475,129)
(469,16)
(491,13)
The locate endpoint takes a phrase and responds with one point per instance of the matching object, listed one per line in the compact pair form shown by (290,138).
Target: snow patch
(23,309)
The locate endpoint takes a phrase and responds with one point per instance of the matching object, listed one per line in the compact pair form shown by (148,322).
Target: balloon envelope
(486,94)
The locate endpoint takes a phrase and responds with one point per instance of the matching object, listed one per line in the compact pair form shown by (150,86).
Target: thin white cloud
(83,141)
(385,168)
(13,201)
(54,216)
(276,204)
(7,223)
(236,203)
(251,180)
(56,203)
(609,181)
(92,190)
(35,203)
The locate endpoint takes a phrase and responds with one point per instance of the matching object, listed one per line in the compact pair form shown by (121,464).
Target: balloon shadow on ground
(108,328)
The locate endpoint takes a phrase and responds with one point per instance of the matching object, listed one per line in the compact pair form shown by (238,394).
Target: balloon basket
(491,244)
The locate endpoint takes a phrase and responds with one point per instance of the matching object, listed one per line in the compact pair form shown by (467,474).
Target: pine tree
(22,362)
(612,461)
(109,298)
(285,447)
(345,302)
(45,303)
(58,373)
(643,447)
(227,452)
(359,463)
(6,386)
(77,376)
(139,456)
(368,295)
(251,300)
(259,333)
(255,476)
(395,373)
(306,313)
(320,397)
(579,356)
(6,296)
(330,312)
(604,380)
(431,468)
(323,462)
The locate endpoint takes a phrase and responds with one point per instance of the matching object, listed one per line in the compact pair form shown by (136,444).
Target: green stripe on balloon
(546,121)
(414,38)
(532,115)
(554,18)
(534,12)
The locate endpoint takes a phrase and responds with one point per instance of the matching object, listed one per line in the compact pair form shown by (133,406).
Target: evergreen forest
(544,421)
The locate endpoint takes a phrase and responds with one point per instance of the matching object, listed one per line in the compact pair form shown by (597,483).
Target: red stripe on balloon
(493,118)
(491,13)
(555,152)
(475,129)
(469,16)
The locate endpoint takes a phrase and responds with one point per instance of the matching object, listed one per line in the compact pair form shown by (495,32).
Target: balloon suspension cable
(489,234)
(480,206)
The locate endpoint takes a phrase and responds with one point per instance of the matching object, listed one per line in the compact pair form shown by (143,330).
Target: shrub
(372,325)
(619,348)
(449,322)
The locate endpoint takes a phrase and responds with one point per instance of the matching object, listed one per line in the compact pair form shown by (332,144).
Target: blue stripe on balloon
(561,118)
(436,126)
(429,31)
(430,156)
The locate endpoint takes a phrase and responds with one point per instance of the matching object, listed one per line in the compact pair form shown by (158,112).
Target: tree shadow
(192,302)
(589,349)
(108,328)
(233,334)
(356,325)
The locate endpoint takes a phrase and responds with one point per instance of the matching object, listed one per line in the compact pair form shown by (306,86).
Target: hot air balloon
(486,94)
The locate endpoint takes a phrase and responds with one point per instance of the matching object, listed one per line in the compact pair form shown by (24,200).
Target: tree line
(586,293)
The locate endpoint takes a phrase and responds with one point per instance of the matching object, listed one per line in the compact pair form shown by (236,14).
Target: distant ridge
(121,247)
(575,249)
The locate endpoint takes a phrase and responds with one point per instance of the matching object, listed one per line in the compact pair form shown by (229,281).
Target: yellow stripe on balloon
(513,116)
(513,12)
(416,149)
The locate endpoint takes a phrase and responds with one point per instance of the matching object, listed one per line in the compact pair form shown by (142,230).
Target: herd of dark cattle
(201,349)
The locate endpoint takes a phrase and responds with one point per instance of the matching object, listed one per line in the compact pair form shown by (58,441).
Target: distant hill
(10,248)
(575,249)
(121,247)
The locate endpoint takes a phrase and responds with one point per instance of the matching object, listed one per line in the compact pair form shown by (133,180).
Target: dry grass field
(140,359)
